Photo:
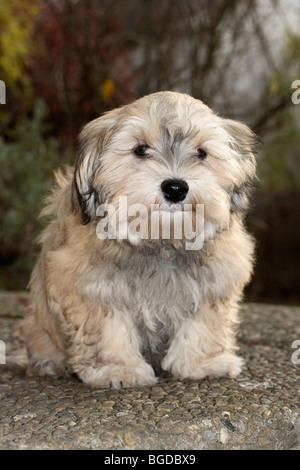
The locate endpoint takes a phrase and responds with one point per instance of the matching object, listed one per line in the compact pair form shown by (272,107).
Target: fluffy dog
(116,310)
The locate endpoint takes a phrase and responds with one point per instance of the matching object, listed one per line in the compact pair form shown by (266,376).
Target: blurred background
(64,62)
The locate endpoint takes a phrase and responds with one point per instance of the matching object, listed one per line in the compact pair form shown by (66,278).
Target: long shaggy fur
(116,311)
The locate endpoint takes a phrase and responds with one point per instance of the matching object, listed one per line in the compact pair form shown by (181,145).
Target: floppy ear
(243,141)
(92,141)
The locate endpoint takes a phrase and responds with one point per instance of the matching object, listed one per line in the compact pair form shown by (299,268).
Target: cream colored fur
(112,311)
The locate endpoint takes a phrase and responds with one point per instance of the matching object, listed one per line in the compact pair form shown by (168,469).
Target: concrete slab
(258,410)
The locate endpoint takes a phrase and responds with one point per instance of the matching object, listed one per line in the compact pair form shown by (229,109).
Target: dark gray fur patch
(92,167)
(240,198)
(171,142)
(153,346)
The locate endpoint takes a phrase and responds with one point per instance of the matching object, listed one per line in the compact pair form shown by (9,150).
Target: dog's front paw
(118,375)
(215,366)
(223,364)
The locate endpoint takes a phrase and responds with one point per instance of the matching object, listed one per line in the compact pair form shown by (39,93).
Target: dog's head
(166,149)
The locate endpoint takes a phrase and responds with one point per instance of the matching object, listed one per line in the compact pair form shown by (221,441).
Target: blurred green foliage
(27,164)
(66,62)
(279,160)
(17,44)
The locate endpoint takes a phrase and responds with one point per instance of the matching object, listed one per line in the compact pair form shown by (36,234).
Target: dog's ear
(243,142)
(92,141)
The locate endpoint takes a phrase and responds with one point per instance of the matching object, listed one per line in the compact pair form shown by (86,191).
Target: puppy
(116,305)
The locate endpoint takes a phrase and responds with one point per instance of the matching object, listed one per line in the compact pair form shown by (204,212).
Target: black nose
(174,190)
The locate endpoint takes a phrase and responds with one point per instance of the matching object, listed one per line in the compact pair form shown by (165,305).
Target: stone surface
(258,410)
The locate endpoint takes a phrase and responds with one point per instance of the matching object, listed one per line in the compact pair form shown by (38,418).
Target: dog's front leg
(107,355)
(204,345)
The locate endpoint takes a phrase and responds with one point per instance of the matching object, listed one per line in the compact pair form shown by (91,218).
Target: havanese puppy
(146,256)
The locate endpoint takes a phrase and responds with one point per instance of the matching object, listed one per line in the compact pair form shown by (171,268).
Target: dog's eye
(201,154)
(141,151)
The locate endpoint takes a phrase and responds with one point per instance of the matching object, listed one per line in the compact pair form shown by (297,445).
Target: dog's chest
(163,292)
(153,285)
(156,292)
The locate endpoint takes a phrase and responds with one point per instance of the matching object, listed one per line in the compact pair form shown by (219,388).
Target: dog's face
(166,149)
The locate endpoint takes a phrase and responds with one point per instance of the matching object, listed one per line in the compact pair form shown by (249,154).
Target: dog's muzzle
(174,190)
